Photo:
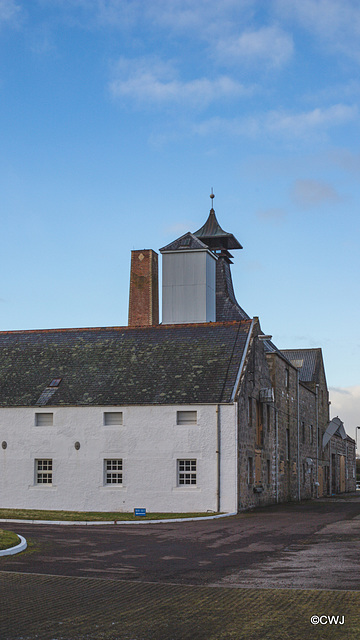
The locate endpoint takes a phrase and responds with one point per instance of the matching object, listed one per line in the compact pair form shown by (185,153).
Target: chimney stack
(144,289)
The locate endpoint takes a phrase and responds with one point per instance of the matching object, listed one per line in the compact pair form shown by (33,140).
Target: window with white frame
(113,471)
(44,419)
(113,418)
(186,472)
(186,417)
(43,471)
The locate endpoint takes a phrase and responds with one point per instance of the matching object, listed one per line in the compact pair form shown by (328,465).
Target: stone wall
(256,425)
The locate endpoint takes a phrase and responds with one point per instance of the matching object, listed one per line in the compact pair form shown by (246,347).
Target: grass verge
(8,539)
(96,516)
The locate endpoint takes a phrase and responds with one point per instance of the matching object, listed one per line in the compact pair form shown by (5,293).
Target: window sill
(186,487)
(43,487)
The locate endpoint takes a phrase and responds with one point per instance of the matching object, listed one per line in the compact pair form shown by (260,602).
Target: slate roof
(309,362)
(166,364)
(214,236)
(187,241)
(227,307)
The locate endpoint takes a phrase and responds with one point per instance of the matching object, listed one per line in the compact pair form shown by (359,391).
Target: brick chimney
(144,289)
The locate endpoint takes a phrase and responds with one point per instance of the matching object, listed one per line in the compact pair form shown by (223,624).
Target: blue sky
(119,116)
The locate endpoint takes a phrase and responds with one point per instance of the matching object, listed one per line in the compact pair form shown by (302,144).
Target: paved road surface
(312,545)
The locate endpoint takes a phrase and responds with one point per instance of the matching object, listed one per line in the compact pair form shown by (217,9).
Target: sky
(118,117)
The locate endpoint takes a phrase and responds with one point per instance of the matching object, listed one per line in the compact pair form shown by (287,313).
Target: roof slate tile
(166,364)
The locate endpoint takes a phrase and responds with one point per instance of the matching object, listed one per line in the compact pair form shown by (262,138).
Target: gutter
(218,467)
(276,456)
(298,432)
(317,437)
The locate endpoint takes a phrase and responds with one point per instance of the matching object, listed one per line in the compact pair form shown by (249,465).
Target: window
(186,417)
(268,471)
(287,378)
(310,434)
(250,411)
(287,444)
(113,418)
(186,472)
(43,471)
(303,432)
(55,382)
(44,419)
(259,425)
(250,471)
(113,471)
(268,414)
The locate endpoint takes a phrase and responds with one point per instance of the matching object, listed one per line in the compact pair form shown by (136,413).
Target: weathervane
(212,196)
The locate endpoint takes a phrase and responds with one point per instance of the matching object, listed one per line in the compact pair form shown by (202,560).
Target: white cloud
(299,124)
(345,403)
(9,11)
(147,80)
(280,123)
(203,16)
(276,215)
(335,22)
(269,45)
(311,193)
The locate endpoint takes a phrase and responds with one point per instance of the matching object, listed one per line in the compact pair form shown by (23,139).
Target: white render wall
(149,442)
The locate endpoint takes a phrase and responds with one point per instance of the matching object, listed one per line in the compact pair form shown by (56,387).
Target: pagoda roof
(214,236)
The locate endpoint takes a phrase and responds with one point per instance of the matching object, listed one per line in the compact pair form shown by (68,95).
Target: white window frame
(113,472)
(43,471)
(42,421)
(186,417)
(187,472)
(118,419)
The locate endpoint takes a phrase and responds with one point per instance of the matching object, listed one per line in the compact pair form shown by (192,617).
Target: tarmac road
(311,545)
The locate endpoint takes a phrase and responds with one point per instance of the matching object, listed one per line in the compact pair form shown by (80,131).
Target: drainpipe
(237,458)
(276,457)
(317,438)
(218,458)
(298,432)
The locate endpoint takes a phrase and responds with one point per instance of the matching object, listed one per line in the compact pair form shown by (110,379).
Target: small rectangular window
(43,471)
(44,419)
(250,403)
(186,472)
(113,418)
(287,444)
(268,471)
(186,417)
(259,425)
(250,471)
(113,471)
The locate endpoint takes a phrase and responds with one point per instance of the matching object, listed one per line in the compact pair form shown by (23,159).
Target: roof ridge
(125,328)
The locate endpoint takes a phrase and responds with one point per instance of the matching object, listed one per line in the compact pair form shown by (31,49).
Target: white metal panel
(188,287)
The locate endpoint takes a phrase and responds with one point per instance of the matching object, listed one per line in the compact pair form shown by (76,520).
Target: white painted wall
(149,442)
(188,287)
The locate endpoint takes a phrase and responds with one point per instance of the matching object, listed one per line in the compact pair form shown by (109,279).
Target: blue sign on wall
(139,512)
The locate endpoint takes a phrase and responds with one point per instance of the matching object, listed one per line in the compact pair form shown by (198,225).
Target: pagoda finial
(212,196)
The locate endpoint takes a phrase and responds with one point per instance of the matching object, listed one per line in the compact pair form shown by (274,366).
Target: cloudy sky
(119,116)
